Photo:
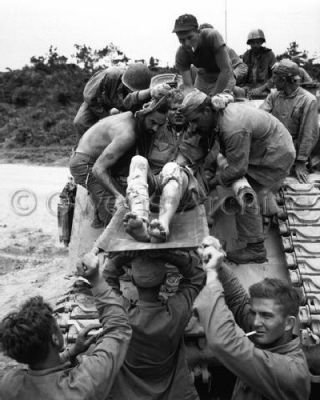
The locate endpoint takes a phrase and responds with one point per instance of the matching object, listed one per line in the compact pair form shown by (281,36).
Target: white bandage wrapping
(137,189)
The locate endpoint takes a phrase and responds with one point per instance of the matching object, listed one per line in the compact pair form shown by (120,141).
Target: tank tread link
(299,228)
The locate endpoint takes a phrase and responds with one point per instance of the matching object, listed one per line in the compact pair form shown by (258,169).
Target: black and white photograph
(159,200)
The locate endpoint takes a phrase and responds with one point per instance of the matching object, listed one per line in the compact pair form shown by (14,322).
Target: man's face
(279,81)
(200,122)
(189,39)
(255,45)
(153,121)
(268,321)
(175,117)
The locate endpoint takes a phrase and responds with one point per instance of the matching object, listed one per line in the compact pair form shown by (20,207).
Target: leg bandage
(137,189)
(171,171)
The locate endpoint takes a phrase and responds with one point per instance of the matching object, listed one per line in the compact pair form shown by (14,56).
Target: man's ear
(290,323)
(55,340)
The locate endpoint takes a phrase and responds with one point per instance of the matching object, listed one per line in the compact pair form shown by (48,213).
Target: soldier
(113,90)
(256,145)
(155,366)
(240,69)
(269,364)
(260,61)
(101,160)
(206,50)
(297,109)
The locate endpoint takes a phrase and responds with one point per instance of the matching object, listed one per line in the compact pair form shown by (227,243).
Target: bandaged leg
(136,221)
(174,183)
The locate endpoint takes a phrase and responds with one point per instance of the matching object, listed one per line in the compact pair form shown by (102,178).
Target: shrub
(63,98)
(47,123)
(65,130)
(21,96)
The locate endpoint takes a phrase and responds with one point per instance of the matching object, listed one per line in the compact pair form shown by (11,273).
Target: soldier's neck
(289,89)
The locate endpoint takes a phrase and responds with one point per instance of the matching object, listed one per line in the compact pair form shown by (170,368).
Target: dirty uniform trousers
(249,222)
(249,225)
(81,169)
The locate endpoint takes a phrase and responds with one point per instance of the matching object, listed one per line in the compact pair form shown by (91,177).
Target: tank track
(299,228)
(76,309)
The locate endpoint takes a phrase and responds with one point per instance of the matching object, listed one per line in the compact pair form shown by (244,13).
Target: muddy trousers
(249,225)
(81,169)
(249,222)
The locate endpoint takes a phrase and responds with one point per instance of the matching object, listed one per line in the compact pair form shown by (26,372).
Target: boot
(253,253)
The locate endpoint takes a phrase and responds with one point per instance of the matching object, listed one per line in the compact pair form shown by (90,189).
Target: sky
(143,28)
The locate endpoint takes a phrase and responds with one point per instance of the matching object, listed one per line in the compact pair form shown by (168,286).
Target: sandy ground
(32,261)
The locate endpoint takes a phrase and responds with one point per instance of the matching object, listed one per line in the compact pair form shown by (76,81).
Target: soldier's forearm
(105,179)
(225,81)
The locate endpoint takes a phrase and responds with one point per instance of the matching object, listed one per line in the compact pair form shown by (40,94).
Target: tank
(292,242)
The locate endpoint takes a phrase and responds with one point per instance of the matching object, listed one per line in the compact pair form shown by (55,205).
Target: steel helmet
(256,34)
(137,77)
(165,78)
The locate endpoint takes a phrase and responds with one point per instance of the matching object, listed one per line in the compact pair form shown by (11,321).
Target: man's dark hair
(285,294)
(25,335)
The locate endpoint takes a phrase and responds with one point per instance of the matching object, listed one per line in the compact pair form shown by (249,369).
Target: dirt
(32,262)
(42,155)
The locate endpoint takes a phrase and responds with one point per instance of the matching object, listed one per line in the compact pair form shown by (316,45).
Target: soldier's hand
(211,253)
(220,101)
(83,341)
(88,266)
(160,90)
(120,202)
(301,172)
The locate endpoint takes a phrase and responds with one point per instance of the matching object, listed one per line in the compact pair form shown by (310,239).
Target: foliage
(21,95)
(38,102)
(51,61)
(153,62)
(91,60)
(302,59)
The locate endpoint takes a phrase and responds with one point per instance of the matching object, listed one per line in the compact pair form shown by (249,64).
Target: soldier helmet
(171,79)
(137,77)
(256,34)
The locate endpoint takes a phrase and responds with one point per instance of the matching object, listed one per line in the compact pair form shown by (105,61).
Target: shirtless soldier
(101,160)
